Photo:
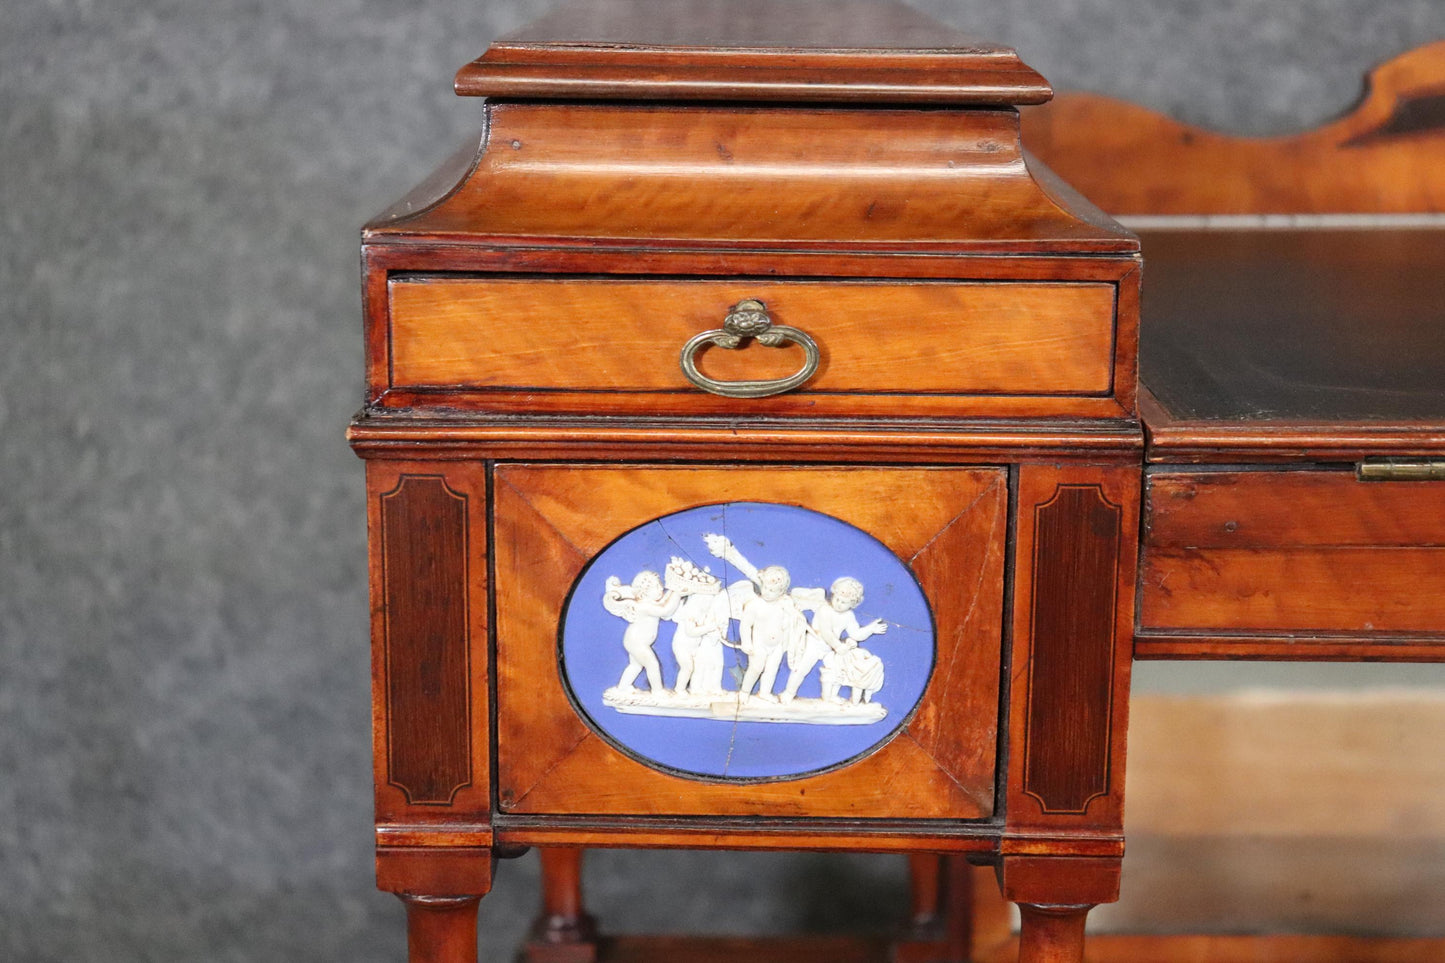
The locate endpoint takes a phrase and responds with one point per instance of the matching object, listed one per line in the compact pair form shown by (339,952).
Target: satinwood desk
(762,307)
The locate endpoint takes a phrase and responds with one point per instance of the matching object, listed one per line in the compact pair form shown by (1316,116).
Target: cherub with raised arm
(846,663)
(833,619)
(643,605)
(770,621)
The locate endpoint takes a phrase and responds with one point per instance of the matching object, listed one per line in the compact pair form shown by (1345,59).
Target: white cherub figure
(770,620)
(833,618)
(642,604)
(847,663)
(702,625)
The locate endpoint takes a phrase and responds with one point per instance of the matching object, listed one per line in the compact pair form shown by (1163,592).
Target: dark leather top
(1310,325)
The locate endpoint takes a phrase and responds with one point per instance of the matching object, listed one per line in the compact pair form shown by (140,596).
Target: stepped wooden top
(848,51)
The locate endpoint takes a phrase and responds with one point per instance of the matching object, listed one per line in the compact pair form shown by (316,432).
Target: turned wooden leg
(922,937)
(956,912)
(563,932)
(1054,895)
(441,929)
(1052,934)
(925,893)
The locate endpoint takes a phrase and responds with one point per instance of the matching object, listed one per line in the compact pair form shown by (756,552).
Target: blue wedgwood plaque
(826,627)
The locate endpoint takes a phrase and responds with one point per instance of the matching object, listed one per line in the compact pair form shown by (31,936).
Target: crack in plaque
(738,711)
(669,536)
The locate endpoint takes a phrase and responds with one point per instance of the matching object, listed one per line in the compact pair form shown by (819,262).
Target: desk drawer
(596,715)
(886,348)
(1292,552)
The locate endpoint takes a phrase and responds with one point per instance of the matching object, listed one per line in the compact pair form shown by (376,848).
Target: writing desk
(1292,331)
(561,459)
(1293,328)
(1298,397)
(753,462)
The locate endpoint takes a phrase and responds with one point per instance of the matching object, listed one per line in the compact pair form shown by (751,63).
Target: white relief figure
(771,623)
(702,626)
(834,642)
(643,605)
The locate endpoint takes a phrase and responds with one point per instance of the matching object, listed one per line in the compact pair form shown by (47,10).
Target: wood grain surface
(1074,572)
(1383,157)
(877,339)
(427,523)
(740,178)
(1076,554)
(552,520)
(851,50)
(424,549)
(1281,552)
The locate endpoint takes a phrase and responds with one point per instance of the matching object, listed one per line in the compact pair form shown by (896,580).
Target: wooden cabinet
(636,584)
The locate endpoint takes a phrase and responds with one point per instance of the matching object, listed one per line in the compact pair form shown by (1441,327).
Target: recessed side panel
(429,629)
(424,571)
(1073,612)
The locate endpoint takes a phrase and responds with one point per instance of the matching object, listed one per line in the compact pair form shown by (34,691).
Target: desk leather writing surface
(1317,325)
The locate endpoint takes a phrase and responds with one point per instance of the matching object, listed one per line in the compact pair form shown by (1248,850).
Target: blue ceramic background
(816,549)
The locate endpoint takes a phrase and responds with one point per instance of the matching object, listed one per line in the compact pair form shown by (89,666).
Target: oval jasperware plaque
(746,640)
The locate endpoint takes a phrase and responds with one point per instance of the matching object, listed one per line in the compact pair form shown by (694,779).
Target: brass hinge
(1401,469)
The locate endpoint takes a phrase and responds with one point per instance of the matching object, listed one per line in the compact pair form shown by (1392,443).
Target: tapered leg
(563,932)
(1052,934)
(441,929)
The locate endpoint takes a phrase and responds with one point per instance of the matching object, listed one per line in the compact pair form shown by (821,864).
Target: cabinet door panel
(884,646)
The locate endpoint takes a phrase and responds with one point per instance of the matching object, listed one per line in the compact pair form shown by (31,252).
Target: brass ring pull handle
(749,319)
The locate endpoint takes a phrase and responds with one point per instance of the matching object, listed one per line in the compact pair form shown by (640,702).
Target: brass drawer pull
(749,319)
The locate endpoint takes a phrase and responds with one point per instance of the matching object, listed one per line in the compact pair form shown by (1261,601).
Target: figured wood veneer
(776,178)
(1382,157)
(429,637)
(1292,552)
(876,338)
(847,50)
(551,520)
(424,579)
(1074,569)
(1066,754)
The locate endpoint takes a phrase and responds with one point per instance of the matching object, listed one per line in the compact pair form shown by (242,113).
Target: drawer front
(1281,552)
(885,347)
(634,604)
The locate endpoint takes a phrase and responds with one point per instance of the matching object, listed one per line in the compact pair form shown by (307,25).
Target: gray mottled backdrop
(184,764)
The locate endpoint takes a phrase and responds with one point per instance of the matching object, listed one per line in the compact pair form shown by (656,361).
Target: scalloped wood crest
(1385,156)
